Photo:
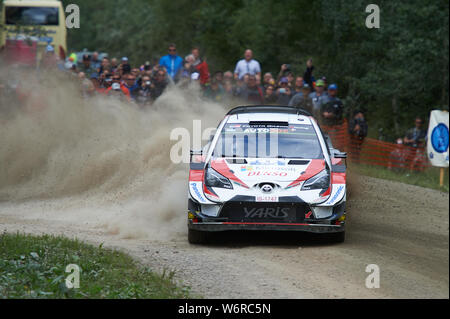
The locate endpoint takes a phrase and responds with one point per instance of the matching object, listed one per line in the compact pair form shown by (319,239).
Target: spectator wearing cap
(247,66)
(332,109)
(318,98)
(117,88)
(125,66)
(201,66)
(172,63)
(302,99)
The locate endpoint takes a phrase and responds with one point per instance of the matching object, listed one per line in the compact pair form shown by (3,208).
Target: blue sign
(439,138)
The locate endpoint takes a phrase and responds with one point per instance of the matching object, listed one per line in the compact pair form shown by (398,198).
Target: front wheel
(197,237)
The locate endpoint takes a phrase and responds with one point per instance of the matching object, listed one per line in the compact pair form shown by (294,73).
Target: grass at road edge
(428,178)
(34,267)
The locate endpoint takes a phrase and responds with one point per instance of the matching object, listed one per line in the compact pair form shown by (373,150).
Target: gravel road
(401,228)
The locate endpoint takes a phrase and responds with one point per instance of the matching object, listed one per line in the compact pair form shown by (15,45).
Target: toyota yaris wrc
(267,168)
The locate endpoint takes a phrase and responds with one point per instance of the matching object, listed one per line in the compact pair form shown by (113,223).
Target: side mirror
(196,156)
(340,155)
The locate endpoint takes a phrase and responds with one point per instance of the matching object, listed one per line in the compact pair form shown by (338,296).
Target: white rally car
(267,168)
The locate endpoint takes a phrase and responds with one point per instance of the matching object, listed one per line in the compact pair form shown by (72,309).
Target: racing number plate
(267,198)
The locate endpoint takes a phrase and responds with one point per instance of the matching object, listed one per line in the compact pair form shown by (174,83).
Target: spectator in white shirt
(247,66)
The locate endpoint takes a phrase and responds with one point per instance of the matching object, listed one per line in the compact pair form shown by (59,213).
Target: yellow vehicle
(40,20)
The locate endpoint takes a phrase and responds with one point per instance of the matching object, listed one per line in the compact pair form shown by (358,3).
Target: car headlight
(318,181)
(214,179)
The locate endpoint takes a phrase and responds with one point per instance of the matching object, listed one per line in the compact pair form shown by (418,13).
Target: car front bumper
(304,227)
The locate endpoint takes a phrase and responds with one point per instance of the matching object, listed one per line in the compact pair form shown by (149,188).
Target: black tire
(338,237)
(197,237)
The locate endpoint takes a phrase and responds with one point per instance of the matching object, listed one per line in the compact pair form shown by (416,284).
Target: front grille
(264,212)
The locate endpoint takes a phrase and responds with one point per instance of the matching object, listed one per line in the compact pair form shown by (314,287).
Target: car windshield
(268,141)
(31,15)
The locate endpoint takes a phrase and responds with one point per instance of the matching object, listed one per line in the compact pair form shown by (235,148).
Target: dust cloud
(98,160)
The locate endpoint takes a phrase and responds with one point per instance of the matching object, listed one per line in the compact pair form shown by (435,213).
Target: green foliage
(429,178)
(394,73)
(34,267)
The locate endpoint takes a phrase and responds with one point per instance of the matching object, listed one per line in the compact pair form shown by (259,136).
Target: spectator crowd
(246,84)
(143,84)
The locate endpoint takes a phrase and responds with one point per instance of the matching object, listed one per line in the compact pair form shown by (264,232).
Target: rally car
(267,168)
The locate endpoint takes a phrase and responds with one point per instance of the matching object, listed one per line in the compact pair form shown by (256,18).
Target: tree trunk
(395,115)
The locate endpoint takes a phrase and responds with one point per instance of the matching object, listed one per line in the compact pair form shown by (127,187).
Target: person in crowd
(188,67)
(269,95)
(252,92)
(318,98)
(308,76)
(104,66)
(247,66)
(218,77)
(290,77)
(159,84)
(114,65)
(302,99)
(283,92)
(228,76)
(117,88)
(95,62)
(143,94)
(416,136)
(131,84)
(332,108)
(201,66)
(268,80)
(357,129)
(125,67)
(325,83)
(86,65)
(298,85)
(215,91)
(172,63)
(284,70)
(228,88)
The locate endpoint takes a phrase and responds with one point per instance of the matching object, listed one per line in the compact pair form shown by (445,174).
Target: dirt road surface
(401,228)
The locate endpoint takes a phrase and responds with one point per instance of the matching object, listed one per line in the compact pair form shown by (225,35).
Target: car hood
(250,171)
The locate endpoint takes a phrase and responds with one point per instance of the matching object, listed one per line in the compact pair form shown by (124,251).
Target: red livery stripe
(221,166)
(196,175)
(338,178)
(313,168)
